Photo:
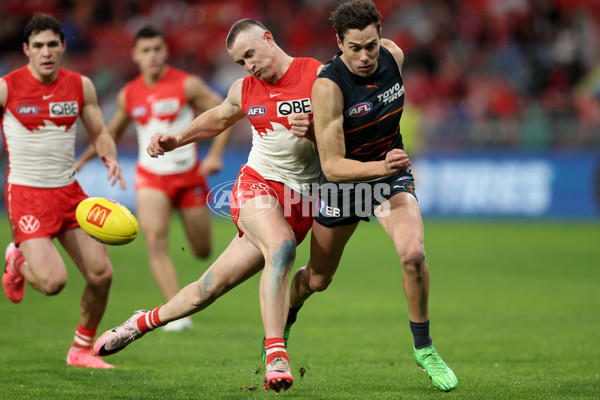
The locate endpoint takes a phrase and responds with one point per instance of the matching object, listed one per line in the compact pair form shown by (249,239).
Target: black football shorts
(346,203)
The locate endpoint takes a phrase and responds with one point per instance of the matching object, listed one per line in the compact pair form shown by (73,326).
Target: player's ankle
(149,321)
(275,348)
(84,338)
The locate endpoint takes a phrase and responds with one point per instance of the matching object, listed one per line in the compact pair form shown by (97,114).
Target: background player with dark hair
(40,104)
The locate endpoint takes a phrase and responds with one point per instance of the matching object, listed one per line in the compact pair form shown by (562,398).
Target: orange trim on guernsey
(386,145)
(379,140)
(374,122)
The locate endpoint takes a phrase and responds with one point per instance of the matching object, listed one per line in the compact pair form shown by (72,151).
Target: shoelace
(279,365)
(435,362)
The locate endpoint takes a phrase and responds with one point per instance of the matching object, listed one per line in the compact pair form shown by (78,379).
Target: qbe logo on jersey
(302,106)
(64,109)
(165,106)
(98,215)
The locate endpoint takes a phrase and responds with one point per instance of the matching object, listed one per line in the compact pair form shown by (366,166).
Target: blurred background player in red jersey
(40,104)
(164,99)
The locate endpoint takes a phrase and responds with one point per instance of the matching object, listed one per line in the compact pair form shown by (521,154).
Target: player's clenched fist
(161,143)
(396,160)
(301,126)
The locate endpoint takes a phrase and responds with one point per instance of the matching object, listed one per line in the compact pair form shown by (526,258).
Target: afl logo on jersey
(256,111)
(64,109)
(28,109)
(359,109)
(139,111)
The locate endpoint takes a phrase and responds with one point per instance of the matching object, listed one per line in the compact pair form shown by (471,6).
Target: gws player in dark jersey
(357,103)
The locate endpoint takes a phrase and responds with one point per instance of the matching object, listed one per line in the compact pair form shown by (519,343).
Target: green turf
(515,310)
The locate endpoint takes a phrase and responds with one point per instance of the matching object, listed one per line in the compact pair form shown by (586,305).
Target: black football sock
(420,331)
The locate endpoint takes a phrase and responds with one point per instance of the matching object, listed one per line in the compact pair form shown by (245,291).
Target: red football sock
(19,260)
(84,338)
(149,321)
(275,347)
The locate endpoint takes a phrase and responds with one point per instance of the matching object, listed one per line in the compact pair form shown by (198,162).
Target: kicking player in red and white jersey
(162,99)
(282,162)
(40,104)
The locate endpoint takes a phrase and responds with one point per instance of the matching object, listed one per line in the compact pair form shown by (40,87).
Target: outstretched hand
(396,160)
(162,143)
(114,171)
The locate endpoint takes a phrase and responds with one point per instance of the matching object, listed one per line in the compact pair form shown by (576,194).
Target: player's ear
(268,37)
(339,42)
(26,49)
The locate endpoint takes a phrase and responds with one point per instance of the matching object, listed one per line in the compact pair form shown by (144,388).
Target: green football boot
(286,335)
(440,374)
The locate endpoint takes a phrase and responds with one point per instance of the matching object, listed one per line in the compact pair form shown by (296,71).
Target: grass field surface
(515,310)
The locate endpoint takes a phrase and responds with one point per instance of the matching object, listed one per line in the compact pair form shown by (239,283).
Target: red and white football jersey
(276,153)
(38,121)
(161,108)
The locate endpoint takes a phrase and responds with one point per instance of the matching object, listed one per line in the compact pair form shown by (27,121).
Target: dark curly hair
(42,22)
(148,32)
(355,14)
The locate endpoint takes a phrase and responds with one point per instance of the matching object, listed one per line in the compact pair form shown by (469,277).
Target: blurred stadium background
(503,97)
(502,122)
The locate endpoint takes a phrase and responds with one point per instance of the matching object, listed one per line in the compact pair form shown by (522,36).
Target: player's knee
(52,287)
(319,283)
(413,260)
(283,254)
(202,252)
(155,242)
(102,278)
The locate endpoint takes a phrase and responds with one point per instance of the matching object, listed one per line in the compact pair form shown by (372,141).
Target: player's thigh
(262,220)
(197,224)
(44,260)
(402,222)
(153,208)
(327,246)
(89,255)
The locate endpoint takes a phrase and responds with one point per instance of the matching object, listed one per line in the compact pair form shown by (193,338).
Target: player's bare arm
(207,125)
(121,120)
(116,128)
(328,105)
(204,98)
(91,116)
(395,50)
(3,93)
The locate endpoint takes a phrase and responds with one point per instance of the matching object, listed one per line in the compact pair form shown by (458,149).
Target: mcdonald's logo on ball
(97,215)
